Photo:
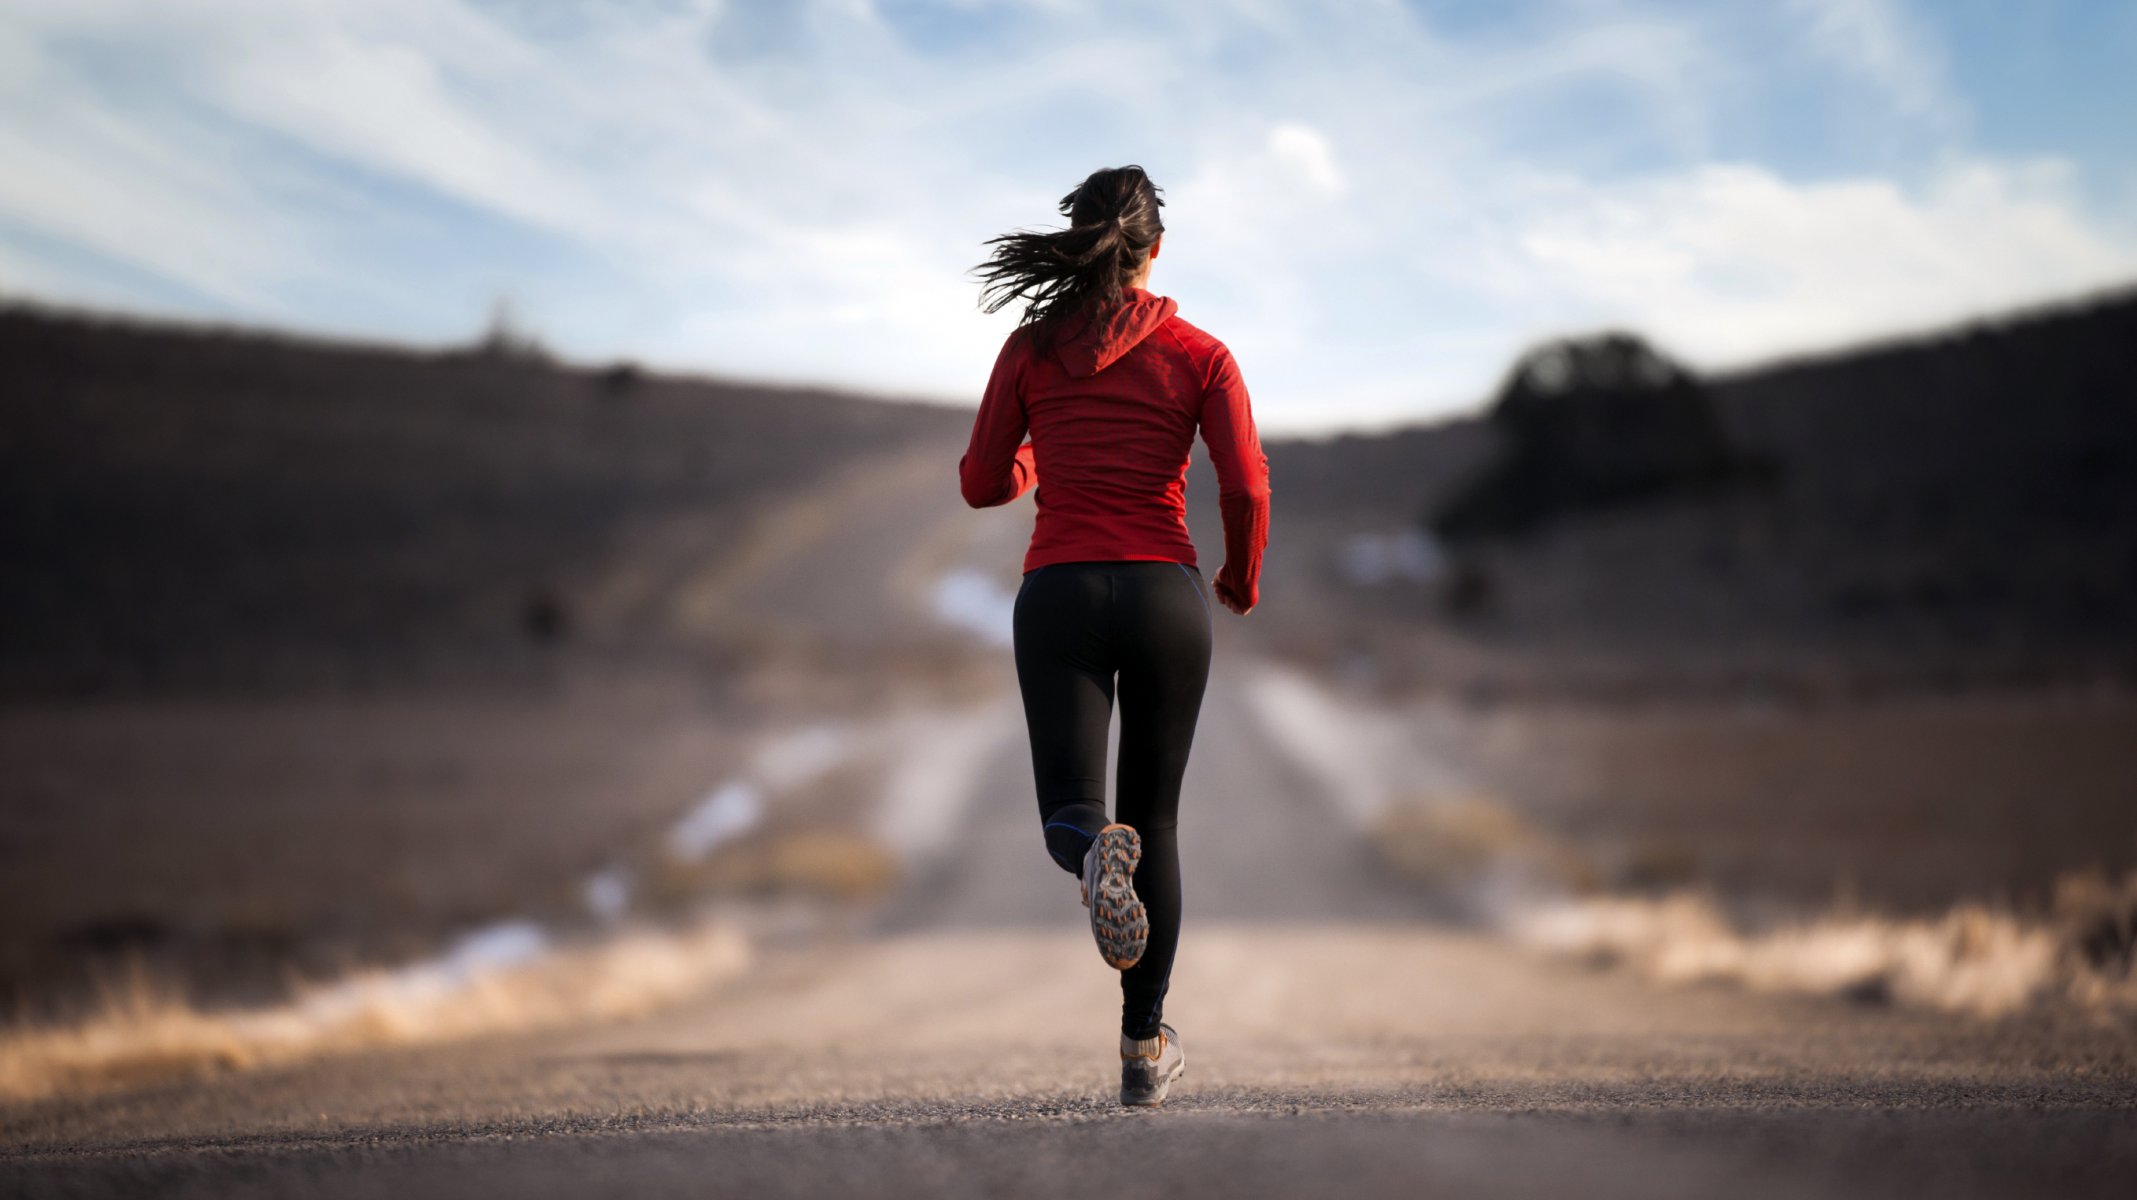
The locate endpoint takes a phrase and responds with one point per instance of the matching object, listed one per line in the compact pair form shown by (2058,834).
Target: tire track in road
(1259,838)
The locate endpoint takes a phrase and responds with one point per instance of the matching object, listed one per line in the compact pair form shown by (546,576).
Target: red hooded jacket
(1112,410)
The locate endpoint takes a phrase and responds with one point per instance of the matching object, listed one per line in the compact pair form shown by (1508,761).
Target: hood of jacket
(1086,347)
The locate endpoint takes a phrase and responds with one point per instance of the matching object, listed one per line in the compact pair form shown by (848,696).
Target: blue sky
(1377,205)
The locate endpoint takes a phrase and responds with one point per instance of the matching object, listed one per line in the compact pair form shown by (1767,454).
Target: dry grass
(1460,843)
(142,1031)
(1974,958)
(825,863)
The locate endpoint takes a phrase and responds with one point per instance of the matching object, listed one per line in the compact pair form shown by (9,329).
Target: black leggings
(1077,625)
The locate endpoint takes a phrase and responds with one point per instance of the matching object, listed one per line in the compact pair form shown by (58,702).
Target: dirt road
(960,1042)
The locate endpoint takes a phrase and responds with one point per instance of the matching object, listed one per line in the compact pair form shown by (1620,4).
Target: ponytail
(1113,223)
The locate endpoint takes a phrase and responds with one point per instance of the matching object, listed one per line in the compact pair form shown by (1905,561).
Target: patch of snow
(973,601)
(608,893)
(725,813)
(484,951)
(797,756)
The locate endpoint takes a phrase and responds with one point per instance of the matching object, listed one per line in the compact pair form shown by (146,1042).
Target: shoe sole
(1118,920)
(1157,1095)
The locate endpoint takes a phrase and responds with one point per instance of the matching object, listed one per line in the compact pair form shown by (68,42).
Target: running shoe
(1118,921)
(1148,1067)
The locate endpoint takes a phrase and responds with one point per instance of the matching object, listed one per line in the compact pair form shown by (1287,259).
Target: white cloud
(1373,209)
(1305,153)
(1731,262)
(1883,43)
(109,189)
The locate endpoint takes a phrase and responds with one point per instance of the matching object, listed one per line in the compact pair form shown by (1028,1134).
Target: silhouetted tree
(506,338)
(1587,424)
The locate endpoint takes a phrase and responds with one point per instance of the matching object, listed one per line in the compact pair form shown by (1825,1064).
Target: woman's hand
(1229,596)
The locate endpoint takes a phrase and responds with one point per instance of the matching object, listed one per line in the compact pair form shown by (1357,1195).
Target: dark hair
(1113,223)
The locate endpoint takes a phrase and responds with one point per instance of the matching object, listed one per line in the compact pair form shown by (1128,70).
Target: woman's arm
(1242,481)
(996,468)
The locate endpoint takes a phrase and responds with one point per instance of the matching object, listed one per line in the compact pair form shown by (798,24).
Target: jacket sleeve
(998,465)
(1242,476)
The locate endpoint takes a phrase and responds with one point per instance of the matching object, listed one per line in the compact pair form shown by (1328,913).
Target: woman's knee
(1069,829)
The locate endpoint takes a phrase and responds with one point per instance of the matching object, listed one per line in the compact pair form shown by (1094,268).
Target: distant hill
(1954,509)
(186,509)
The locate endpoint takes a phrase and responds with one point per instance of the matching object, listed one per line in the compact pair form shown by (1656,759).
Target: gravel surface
(1338,1042)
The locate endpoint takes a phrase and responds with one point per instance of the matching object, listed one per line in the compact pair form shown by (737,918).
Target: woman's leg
(1164,633)
(1065,669)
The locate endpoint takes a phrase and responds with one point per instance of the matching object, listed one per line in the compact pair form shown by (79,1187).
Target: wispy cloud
(1735,262)
(1886,45)
(1375,204)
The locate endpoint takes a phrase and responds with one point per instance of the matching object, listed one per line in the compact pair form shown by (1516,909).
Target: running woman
(1112,385)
